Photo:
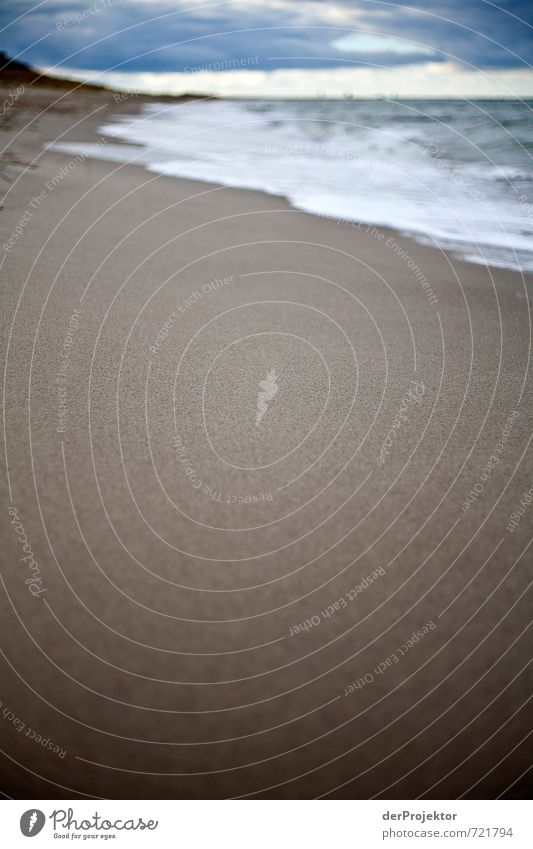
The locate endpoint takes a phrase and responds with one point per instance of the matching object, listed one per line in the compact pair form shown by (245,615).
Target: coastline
(97,107)
(135,594)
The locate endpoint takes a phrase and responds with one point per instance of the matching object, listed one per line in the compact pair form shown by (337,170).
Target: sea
(456,174)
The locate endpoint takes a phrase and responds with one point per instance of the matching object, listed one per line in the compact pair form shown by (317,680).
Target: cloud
(431,80)
(162,37)
(370,44)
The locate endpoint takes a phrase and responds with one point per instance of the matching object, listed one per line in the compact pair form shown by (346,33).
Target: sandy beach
(321,592)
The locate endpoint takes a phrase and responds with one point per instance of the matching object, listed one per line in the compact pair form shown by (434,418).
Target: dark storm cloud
(155,36)
(483,35)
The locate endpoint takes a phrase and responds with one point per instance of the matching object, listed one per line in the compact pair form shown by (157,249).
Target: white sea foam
(454,174)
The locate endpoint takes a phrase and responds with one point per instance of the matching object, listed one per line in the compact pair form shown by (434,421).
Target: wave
(453,174)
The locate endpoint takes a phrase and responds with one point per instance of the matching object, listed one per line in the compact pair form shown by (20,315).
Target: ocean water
(455,174)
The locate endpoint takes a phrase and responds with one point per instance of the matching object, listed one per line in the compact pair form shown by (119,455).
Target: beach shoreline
(182,541)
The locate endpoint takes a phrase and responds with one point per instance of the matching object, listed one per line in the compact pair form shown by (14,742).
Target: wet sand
(330,602)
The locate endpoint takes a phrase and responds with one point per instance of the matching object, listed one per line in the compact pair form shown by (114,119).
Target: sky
(281,48)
